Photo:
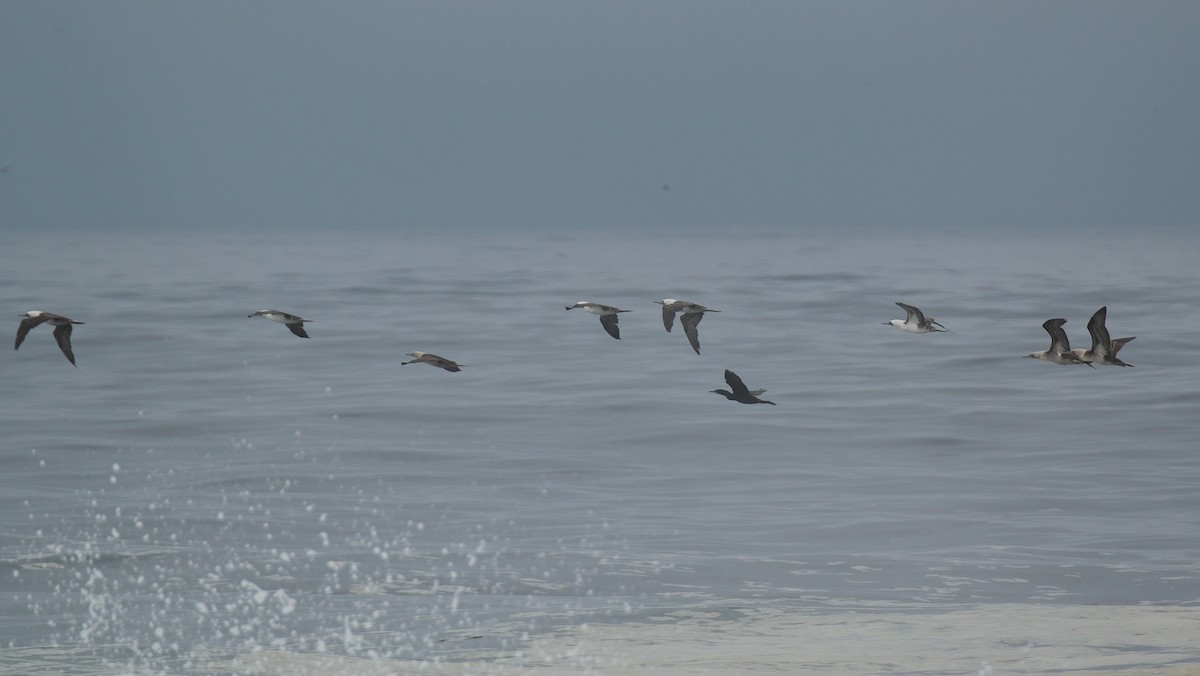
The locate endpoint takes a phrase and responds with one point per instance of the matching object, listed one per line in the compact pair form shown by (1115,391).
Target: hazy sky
(560,114)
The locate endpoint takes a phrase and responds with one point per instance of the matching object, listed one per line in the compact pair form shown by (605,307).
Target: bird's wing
(689,322)
(610,324)
(735,383)
(441,362)
(912,312)
(1058,337)
(62,334)
(297,329)
(1101,344)
(27,324)
(668,317)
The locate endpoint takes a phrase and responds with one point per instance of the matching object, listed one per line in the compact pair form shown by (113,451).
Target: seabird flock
(1103,350)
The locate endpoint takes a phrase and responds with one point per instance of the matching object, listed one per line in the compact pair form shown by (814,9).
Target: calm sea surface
(207,493)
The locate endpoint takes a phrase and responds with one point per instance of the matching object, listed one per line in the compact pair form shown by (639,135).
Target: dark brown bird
(62,330)
(740,392)
(432,360)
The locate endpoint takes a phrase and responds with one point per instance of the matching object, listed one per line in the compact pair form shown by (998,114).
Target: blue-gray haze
(208,493)
(304,114)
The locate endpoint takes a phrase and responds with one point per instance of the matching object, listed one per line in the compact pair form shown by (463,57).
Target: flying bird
(432,360)
(916,322)
(608,315)
(62,330)
(690,315)
(1104,349)
(1060,347)
(295,324)
(740,392)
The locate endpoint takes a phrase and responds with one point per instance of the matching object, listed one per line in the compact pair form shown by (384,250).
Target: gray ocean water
(207,493)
